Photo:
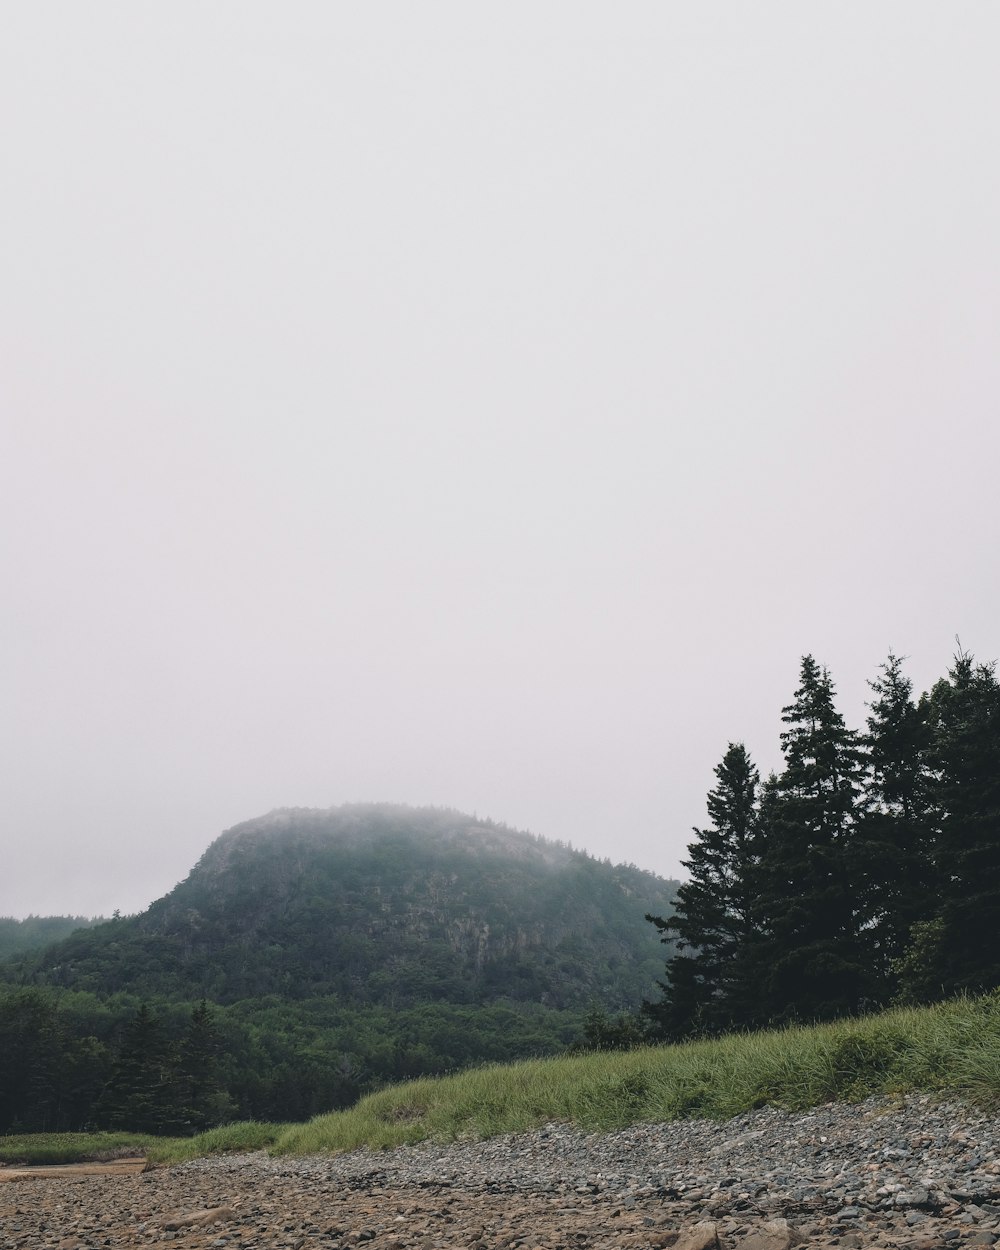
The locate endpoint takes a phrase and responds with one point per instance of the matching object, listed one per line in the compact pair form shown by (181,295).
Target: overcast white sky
(484,405)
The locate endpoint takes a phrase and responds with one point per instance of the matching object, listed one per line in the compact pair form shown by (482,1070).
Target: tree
(201,1100)
(141,1094)
(891,856)
(964,713)
(715,917)
(813,948)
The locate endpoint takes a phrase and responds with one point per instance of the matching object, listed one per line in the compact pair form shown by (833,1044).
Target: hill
(379,905)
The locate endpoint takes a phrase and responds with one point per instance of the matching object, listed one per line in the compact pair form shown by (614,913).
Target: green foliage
(626,1031)
(17,937)
(867,871)
(36,1149)
(964,712)
(53,1067)
(953,1046)
(379,906)
(239,1138)
(311,957)
(715,922)
(812,963)
(891,855)
(73,1061)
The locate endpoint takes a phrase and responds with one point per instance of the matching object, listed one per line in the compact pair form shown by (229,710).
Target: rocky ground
(916,1173)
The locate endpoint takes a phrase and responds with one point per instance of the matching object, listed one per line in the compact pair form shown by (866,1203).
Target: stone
(773,1235)
(917,1197)
(701,1236)
(196,1219)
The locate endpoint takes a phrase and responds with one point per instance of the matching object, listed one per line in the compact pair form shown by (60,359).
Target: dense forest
(866,872)
(311,956)
(72,1061)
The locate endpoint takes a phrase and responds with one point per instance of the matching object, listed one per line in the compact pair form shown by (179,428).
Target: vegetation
(310,959)
(51,1148)
(378,906)
(17,937)
(866,872)
(39,1149)
(951,1047)
(75,1061)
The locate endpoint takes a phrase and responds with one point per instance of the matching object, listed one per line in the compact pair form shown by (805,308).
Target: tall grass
(952,1046)
(245,1136)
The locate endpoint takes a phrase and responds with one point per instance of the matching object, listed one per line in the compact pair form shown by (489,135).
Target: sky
(475,405)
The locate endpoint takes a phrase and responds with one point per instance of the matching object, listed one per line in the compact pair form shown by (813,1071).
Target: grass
(950,1048)
(237,1138)
(53,1148)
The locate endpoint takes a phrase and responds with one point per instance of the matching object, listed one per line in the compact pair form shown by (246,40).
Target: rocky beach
(915,1172)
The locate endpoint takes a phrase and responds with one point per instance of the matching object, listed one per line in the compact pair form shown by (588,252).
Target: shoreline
(912,1172)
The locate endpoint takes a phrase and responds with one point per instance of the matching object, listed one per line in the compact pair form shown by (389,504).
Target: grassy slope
(952,1046)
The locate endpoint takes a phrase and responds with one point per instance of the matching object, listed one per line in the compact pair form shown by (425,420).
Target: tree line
(865,872)
(73,1060)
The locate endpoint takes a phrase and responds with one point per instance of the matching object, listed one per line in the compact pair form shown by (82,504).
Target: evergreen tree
(141,1095)
(201,1099)
(714,920)
(891,858)
(964,714)
(813,947)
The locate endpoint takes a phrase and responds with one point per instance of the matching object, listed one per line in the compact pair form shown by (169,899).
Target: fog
(481,406)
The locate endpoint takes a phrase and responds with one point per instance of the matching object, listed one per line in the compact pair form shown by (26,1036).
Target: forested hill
(380,905)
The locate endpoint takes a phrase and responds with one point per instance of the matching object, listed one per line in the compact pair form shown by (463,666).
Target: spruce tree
(200,1095)
(891,856)
(705,988)
(141,1093)
(964,713)
(813,946)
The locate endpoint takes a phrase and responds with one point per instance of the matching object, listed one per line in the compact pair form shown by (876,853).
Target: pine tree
(141,1093)
(964,714)
(813,946)
(706,990)
(200,1094)
(891,857)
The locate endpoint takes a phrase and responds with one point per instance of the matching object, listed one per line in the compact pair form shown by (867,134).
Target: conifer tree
(891,858)
(964,713)
(705,988)
(197,1081)
(813,946)
(141,1094)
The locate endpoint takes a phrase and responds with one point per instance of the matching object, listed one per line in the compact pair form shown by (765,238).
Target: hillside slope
(381,905)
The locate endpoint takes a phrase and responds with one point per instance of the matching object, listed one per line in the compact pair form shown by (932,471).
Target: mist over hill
(36,932)
(381,905)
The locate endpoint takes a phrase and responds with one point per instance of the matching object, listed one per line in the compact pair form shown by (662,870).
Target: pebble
(914,1173)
